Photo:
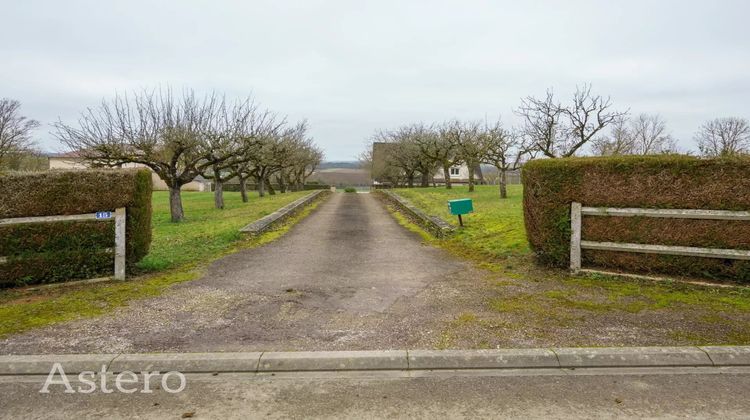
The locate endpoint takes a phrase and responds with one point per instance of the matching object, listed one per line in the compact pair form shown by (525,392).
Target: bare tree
(260,129)
(297,158)
(588,115)
(157,129)
(472,147)
(303,160)
(724,137)
(650,135)
(543,124)
(274,154)
(560,131)
(401,154)
(265,163)
(645,135)
(506,151)
(421,134)
(443,149)
(619,142)
(230,138)
(15,129)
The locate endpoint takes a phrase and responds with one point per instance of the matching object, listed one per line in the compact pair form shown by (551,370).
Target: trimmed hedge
(669,181)
(252,187)
(62,251)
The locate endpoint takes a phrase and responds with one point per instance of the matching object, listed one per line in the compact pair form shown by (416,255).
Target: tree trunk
(425,182)
(410,181)
(447,175)
(503,183)
(243,189)
(471,178)
(218,193)
(175,204)
(270,187)
(261,186)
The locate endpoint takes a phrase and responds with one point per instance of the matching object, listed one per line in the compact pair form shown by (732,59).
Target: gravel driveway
(346,277)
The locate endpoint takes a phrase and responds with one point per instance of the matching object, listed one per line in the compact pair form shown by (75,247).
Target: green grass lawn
(179,252)
(206,230)
(495,227)
(519,302)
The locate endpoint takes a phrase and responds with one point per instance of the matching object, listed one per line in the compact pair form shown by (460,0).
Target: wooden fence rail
(118,215)
(577,211)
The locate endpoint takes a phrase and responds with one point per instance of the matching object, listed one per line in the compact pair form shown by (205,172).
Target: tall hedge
(669,181)
(61,251)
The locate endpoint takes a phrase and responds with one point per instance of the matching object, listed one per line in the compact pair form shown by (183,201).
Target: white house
(459,175)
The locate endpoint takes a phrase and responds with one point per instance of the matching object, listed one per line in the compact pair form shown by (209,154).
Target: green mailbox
(460,207)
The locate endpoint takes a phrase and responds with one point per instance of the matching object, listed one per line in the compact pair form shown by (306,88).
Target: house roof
(69,155)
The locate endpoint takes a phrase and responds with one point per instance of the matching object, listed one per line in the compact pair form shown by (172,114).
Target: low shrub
(669,181)
(350,189)
(60,251)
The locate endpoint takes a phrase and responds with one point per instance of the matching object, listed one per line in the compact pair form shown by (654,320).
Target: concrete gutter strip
(435,225)
(263,224)
(400,360)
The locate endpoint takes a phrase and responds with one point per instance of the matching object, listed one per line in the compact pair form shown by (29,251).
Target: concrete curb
(42,364)
(333,361)
(394,360)
(187,362)
(632,357)
(435,225)
(482,359)
(263,224)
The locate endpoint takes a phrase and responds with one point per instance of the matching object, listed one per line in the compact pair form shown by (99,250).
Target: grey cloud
(353,66)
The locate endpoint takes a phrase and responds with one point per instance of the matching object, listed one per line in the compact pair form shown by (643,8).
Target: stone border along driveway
(263,224)
(435,225)
(394,360)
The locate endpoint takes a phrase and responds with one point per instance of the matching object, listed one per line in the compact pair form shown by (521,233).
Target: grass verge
(208,234)
(519,303)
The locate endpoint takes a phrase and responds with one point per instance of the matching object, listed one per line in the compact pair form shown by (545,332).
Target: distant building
(72,161)
(382,174)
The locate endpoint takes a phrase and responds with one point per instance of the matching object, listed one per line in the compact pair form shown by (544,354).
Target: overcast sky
(351,67)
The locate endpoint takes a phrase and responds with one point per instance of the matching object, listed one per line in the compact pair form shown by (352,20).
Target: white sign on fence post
(575,236)
(120,243)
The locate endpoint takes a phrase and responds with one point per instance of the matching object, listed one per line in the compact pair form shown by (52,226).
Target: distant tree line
(414,153)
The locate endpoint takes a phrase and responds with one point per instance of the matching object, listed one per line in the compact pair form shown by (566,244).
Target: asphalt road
(347,277)
(609,394)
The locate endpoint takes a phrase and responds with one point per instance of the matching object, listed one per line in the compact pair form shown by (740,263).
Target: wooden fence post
(120,243)
(575,236)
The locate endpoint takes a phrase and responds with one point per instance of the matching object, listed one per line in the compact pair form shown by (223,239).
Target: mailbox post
(460,207)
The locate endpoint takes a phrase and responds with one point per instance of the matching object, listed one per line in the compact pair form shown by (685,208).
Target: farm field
(522,304)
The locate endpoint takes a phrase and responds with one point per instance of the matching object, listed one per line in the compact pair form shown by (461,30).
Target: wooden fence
(577,211)
(118,215)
